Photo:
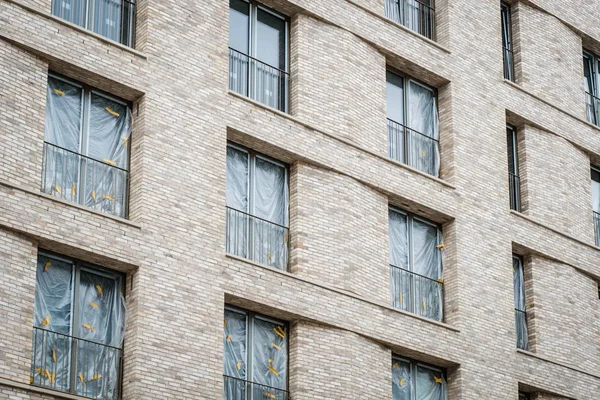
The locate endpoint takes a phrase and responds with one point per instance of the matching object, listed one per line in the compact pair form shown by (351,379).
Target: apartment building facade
(299,199)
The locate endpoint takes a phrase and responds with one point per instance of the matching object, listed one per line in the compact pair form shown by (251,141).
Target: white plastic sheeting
(257,197)
(97,316)
(100,181)
(424,153)
(255,349)
(416,265)
(416,381)
(519,296)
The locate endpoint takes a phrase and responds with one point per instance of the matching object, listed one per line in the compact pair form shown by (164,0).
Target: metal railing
(241,389)
(77,366)
(521,326)
(597,227)
(114,19)
(514,183)
(262,82)
(417,293)
(74,177)
(257,239)
(412,148)
(509,64)
(414,14)
(593,108)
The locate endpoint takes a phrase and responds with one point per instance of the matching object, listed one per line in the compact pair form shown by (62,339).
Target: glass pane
(395,98)
(71,10)
(234,363)
(511,147)
(270,39)
(63,114)
(427,289)
(237,179)
(422,114)
(431,384)
(505,14)
(105,18)
(401,380)
(596,190)
(269,362)
(239,12)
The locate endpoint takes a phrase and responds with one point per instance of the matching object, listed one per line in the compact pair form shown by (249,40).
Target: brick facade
(335,295)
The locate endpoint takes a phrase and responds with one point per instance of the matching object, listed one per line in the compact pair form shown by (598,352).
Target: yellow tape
(109,161)
(126,140)
(273,370)
(274,345)
(440,280)
(94,195)
(54,355)
(402,380)
(46,321)
(270,395)
(96,306)
(441,246)
(95,377)
(57,188)
(47,265)
(224,324)
(88,326)
(99,289)
(270,360)
(111,112)
(424,305)
(52,377)
(73,190)
(279,331)
(59,92)
(438,380)
(423,154)
(81,378)
(229,337)
(395,365)
(400,297)
(239,365)
(107,197)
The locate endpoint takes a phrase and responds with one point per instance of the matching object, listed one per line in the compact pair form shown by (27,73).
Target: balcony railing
(509,64)
(96,184)
(253,78)
(593,108)
(412,148)
(514,183)
(114,19)
(257,239)
(76,366)
(414,14)
(597,227)
(417,293)
(240,389)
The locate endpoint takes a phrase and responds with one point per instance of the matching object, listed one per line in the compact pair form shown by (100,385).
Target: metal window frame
(414,365)
(514,184)
(251,316)
(524,310)
(595,72)
(506,22)
(410,218)
(77,266)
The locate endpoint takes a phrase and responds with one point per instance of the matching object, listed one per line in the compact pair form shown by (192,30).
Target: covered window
(520,311)
(86,147)
(257,207)
(412,119)
(78,328)
(114,19)
(255,356)
(416,265)
(412,380)
(523,396)
(514,180)
(258,53)
(416,15)
(507,47)
(596,202)
(591,71)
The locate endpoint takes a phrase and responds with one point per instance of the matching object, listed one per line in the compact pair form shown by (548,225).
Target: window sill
(560,364)
(342,292)
(36,389)
(87,32)
(70,204)
(342,140)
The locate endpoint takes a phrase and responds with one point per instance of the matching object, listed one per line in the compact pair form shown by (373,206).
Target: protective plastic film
(428,295)
(401,380)
(431,384)
(399,278)
(234,345)
(269,362)
(423,152)
(519,296)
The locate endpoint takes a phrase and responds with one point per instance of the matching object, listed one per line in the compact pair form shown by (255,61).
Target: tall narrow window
(415,265)
(255,357)
(591,70)
(520,311)
(412,380)
(416,15)
(257,207)
(86,147)
(514,181)
(114,19)
(507,48)
(596,203)
(78,328)
(258,53)
(412,119)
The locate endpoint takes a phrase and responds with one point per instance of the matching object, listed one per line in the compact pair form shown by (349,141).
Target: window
(507,47)
(415,265)
(114,19)
(596,203)
(256,357)
(86,147)
(523,396)
(591,71)
(78,328)
(520,311)
(257,207)
(258,53)
(412,380)
(514,181)
(416,15)
(412,119)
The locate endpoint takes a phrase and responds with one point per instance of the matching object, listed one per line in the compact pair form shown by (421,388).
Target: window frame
(414,365)
(403,21)
(84,130)
(410,218)
(507,36)
(592,59)
(77,266)
(513,168)
(249,354)
(524,310)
